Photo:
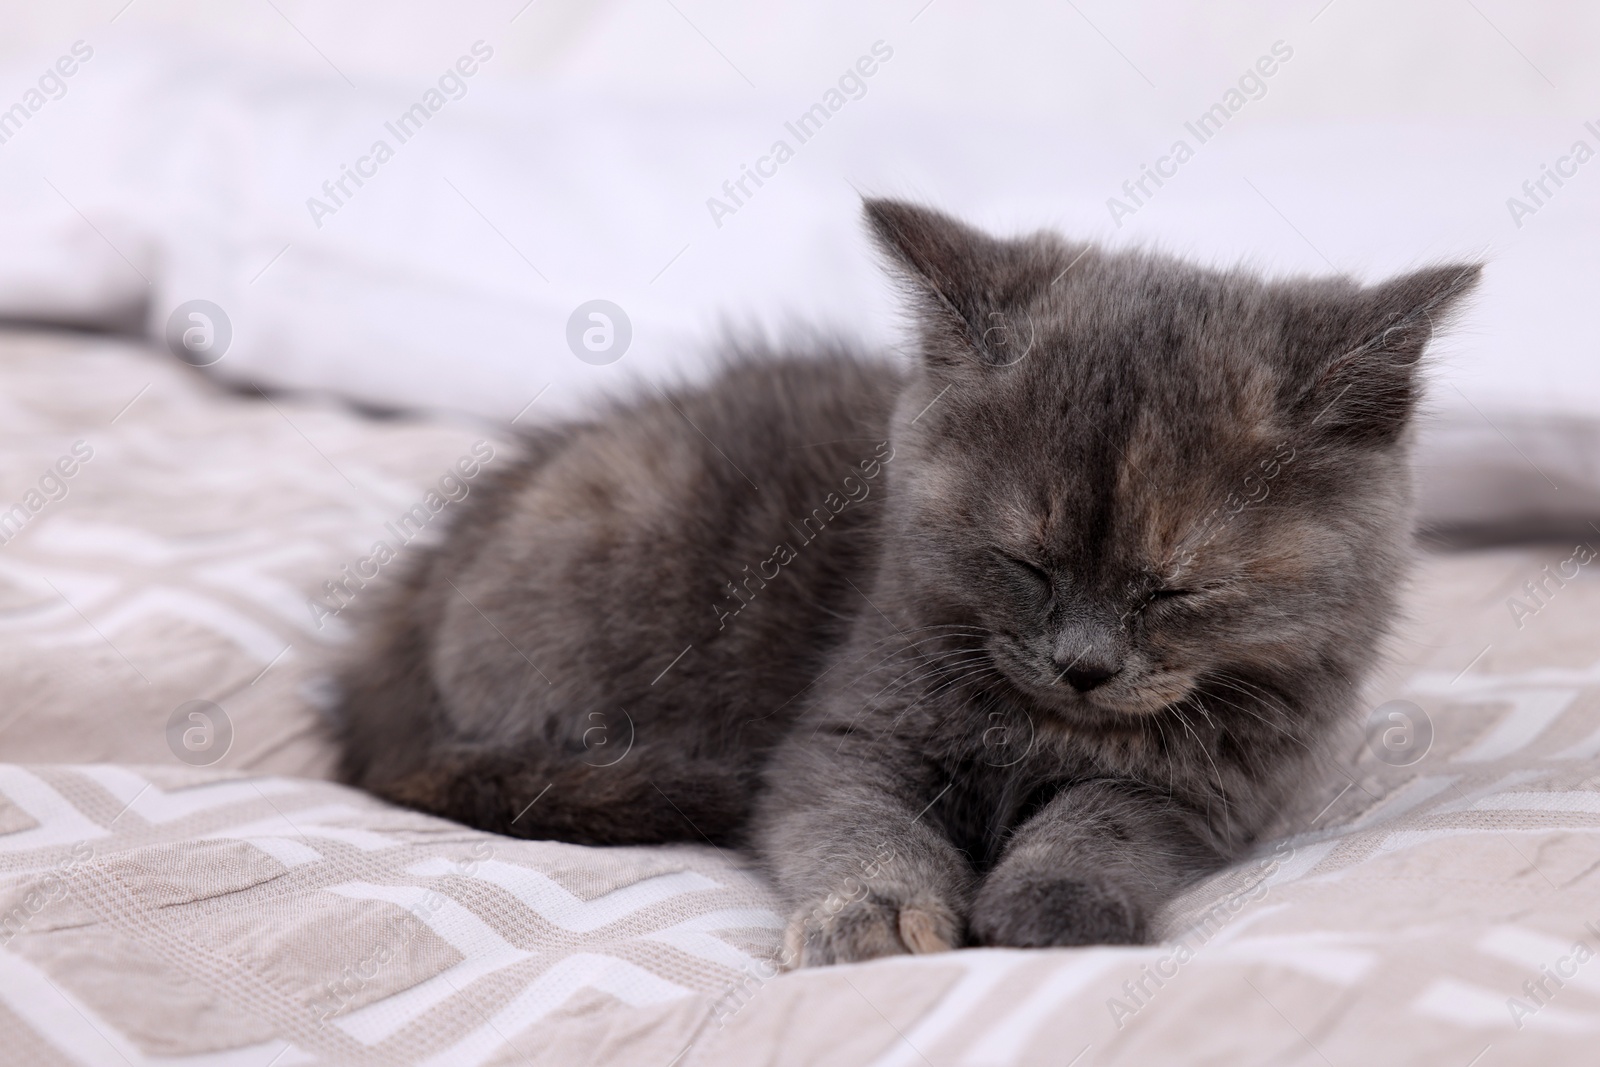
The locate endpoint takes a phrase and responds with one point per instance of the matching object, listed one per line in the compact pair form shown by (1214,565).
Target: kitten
(1003,649)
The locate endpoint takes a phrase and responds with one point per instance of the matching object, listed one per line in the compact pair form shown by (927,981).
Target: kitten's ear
(962,281)
(1360,352)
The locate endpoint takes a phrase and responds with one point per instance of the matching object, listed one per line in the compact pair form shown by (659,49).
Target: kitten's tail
(540,793)
(394,742)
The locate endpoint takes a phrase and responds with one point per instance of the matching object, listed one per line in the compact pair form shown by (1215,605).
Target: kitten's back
(580,608)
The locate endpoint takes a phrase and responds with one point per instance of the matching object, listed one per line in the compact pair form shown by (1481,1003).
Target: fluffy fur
(1003,648)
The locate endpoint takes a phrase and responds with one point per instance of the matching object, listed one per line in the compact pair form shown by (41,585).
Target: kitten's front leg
(864,875)
(1092,867)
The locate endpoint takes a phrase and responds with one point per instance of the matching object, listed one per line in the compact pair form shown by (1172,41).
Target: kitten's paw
(1032,910)
(832,930)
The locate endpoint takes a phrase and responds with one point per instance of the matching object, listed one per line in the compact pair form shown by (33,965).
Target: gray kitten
(1003,649)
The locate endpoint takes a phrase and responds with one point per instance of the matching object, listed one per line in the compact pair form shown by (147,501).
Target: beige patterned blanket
(179,885)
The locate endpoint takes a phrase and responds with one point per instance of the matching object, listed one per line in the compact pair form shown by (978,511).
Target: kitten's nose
(1087,659)
(1088,653)
(1088,675)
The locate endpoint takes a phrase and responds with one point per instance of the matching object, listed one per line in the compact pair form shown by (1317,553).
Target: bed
(181,883)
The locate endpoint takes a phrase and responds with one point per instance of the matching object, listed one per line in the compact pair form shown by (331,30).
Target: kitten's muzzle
(1087,656)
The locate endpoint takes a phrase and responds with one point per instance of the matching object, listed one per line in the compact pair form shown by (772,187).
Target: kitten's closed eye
(1039,578)
(1168,598)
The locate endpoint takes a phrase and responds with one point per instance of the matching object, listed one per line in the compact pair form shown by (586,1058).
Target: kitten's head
(1134,477)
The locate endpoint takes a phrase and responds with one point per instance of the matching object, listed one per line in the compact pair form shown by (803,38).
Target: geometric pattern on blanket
(149,916)
(1433,914)
(183,559)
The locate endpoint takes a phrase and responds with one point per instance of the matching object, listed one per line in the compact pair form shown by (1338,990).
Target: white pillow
(448,279)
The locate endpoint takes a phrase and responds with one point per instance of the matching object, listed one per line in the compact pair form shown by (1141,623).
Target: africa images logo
(198,332)
(599,332)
